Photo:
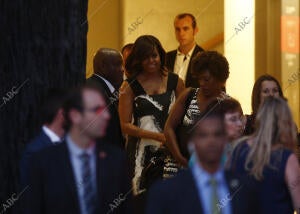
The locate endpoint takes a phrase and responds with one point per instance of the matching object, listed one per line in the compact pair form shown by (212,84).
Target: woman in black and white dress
(147,96)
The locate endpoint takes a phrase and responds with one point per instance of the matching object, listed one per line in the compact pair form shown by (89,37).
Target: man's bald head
(108,63)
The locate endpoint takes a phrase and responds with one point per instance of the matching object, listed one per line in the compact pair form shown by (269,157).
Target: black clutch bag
(154,166)
(159,164)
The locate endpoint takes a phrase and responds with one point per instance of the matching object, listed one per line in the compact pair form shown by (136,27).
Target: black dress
(150,113)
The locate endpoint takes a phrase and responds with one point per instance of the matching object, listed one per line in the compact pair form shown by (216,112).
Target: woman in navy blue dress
(269,158)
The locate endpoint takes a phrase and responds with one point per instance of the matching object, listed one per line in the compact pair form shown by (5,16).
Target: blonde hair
(274,127)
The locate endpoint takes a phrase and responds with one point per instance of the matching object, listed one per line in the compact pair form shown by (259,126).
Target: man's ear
(60,114)
(196,30)
(75,116)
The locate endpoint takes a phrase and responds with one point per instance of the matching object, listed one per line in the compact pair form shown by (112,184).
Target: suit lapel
(107,91)
(234,185)
(192,191)
(189,71)
(102,181)
(68,174)
(111,98)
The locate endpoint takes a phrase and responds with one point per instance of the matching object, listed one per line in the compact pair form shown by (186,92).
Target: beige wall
(109,21)
(158,16)
(104,28)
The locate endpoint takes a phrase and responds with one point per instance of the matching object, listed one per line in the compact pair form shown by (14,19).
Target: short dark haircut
(213,62)
(74,100)
(212,111)
(183,15)
(127,46)
(142,49)
(51,103)
(226,105)
(255,99)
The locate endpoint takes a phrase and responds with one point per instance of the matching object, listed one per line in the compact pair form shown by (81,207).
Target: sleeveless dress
(272,190)
(192,111)
(150,113)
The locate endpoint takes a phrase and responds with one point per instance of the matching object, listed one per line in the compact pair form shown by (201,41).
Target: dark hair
(127,46)
(74,100)
(212,111)
(52,102)
(257,90)
(213,62)
(230,105)
(183,15)
(143,47)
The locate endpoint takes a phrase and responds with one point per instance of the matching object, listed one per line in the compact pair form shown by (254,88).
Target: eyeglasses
(97,109)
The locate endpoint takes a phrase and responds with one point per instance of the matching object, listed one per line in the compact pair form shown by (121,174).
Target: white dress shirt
(53,137)
(76,162)
(181,65)
(109,85)
(202,179)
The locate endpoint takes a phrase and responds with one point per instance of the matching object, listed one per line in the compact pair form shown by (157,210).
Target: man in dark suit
(107,77)
(205,187)
(79,176)
(179,61)
(51,132)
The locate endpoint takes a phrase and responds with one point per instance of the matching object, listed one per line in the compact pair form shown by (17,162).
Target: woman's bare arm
(126,100)
(180,87)
(292,179)
(172,123)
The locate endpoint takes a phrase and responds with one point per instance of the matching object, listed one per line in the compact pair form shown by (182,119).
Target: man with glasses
(80,176)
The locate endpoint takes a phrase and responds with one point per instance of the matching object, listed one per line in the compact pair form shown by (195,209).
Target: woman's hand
(181,160)
(161,138)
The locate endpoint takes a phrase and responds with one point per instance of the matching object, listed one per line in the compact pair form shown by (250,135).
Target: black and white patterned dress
(183,131)
(150,113)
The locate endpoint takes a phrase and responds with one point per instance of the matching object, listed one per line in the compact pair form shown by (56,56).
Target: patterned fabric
(150,113)
(192,111)
(89,195)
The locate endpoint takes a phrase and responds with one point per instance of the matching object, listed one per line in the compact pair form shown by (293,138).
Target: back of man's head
(108,63)
(52,103)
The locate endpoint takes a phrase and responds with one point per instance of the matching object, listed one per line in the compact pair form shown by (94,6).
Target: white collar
(51,134)
(204,176)
(109,85)
(76,150)
(189,54)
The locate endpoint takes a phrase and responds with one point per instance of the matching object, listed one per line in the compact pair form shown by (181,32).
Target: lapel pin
(102,155)
(234,184)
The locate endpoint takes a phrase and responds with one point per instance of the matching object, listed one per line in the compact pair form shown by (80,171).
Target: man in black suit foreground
(51,132)
(179,61)
(205,187)
(79,176)
(107,77)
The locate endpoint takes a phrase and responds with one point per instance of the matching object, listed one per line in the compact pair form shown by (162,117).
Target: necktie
(184,58)
(214,197)
(89,194)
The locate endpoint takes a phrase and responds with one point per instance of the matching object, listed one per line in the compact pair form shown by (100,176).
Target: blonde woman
(269,158)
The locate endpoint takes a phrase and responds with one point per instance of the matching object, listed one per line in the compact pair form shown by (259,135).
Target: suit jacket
(40,142)
(190,81)
(180,195)
(113,131)
(52,184)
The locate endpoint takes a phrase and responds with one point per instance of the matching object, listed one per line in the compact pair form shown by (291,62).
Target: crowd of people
(155,132)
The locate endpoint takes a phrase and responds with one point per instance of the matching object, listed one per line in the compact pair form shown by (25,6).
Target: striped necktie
(89,194)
